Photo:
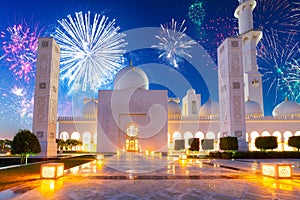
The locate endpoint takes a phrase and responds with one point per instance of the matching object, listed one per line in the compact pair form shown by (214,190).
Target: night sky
(208,23)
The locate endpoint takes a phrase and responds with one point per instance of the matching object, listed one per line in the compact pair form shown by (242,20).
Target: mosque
(133,118)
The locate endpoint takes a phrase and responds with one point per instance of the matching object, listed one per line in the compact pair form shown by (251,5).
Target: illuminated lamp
(279,170)
(182,157)
(52,170)
(100,157)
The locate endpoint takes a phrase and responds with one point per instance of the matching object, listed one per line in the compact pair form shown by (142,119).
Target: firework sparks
(91,50)
(196,13)
(173,42)
(18,104)
(213,33)
(283,13)
(279,62)
(20,48)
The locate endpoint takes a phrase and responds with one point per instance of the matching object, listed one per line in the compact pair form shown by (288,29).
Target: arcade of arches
(89,140)
(282,138)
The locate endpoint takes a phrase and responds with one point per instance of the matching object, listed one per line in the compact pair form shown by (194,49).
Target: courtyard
(153,176)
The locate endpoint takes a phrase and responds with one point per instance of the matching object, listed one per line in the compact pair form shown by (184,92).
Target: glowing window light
(283,170)
(52,170)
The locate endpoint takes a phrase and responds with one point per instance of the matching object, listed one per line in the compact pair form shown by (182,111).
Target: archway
(279,140)
(132,142)
(75,136)
(265,133)
(64,136)
(253,136)
(286,136)
(86,140)
(187,136)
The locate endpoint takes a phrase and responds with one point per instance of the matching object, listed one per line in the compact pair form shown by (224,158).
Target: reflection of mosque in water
(131,117)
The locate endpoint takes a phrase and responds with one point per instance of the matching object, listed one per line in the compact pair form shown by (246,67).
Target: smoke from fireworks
(173,42)
(20,48)
(91,50)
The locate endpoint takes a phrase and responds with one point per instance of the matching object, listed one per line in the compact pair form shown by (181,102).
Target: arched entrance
(132,142)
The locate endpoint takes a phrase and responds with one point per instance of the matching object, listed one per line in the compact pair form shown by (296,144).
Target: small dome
(287,108)
(90,108)
(131,77)
(174,108)
(252,108)
(191,91)
(209,108)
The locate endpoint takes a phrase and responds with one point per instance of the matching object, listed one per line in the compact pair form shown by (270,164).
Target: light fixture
(277,170)
(182,157)
(52,170)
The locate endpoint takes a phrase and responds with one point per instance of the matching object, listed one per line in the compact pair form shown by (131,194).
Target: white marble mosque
(133,118)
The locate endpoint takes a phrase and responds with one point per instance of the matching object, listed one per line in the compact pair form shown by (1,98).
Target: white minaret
(46,96)
(231,91)
(250,38)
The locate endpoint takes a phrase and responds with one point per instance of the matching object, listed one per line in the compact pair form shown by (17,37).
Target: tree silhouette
(25,143)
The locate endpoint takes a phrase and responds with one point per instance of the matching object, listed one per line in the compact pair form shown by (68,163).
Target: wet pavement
(140,176)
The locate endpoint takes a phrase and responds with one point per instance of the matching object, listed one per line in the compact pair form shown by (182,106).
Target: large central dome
(131,77)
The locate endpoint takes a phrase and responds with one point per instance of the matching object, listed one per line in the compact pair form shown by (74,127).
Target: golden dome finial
(286,98)
(130,64)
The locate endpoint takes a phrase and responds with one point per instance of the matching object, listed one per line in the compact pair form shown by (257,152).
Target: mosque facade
(133,118)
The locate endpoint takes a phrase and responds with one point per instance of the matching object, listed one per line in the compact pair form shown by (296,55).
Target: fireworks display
(278,51)
(284,13)
(215,31)
(91,50)
(279,64)
(173,42)
(18,101)
(20,48)
(196,13)
(93,47)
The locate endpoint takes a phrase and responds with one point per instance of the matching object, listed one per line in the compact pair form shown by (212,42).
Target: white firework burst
(91,50)
(173,42)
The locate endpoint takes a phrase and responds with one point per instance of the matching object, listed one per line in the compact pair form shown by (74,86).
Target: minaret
(46,96)
(250,38)
(231,91)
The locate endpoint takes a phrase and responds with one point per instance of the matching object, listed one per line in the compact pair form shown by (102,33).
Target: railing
(293,117)
(184,118)
(77,118)
(192,117)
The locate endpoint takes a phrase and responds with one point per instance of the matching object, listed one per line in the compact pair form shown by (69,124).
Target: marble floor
(138,176)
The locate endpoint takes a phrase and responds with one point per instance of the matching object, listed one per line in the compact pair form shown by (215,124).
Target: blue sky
(280,24)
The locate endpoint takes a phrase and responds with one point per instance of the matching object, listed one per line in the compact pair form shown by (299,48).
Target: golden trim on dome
(130,64)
